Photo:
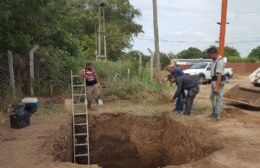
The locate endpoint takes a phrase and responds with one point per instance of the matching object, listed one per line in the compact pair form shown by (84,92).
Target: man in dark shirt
(176,72)
(189,84)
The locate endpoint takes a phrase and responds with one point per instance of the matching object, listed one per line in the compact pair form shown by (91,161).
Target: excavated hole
(126,141)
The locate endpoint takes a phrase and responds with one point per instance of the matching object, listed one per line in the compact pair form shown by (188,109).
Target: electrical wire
(200,42)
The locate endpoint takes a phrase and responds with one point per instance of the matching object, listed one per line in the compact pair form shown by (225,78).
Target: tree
(231,52)
(65,32)
(120,27)
(133,55)
(255,53)
(191,53)
(165,60)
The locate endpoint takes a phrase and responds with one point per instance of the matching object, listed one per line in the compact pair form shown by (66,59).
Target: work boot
(217,118)
(213,115)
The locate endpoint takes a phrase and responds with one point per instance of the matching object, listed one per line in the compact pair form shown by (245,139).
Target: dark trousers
(179,103)
(190,99)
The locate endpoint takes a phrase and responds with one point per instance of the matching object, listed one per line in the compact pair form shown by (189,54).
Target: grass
(51,109)
(3,117)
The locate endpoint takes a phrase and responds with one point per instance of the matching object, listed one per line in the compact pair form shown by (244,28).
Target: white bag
(100,102)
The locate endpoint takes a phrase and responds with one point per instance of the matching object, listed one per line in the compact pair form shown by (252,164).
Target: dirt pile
(248,95)
(121,140)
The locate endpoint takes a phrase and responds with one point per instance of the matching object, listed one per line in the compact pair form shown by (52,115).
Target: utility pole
(151,63)
(156,41)
(223,24)
(101,33)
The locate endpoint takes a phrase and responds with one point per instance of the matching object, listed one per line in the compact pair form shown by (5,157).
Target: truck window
(199,66)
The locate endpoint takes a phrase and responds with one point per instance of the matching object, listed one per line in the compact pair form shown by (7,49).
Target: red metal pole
(223,27)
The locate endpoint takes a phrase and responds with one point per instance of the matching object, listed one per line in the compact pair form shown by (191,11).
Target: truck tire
(256,84)
(201,79)
(228,76)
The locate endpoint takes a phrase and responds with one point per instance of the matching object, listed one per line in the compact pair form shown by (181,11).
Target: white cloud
(195,21)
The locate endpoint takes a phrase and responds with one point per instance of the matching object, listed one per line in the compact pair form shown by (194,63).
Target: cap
(89,63)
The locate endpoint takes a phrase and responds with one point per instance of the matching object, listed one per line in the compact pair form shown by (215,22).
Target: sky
(186,23)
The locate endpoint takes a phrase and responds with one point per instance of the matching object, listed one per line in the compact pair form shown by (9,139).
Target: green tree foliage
(165,60)
(133,56)
(191,53)
(231,52)
(255,53)
(65,32)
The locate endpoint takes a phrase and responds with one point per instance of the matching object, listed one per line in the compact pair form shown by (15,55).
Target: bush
(132,86)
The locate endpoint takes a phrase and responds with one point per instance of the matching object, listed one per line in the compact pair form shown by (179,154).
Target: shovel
(214,105)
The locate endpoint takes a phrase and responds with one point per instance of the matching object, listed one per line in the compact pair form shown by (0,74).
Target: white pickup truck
(202,70)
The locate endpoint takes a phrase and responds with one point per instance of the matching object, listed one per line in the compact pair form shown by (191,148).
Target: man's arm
(179,88)
(82,73)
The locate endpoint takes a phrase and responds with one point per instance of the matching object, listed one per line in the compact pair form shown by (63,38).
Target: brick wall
(243,67)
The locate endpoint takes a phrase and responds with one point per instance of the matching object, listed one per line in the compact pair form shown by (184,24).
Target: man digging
(190,85)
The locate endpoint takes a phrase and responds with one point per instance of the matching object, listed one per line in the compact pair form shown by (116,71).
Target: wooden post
(151,63)
(156,42)
(223,28)
(140,64)
(99,31)
(11,72)
(31,56)
(104,31)
(128,77)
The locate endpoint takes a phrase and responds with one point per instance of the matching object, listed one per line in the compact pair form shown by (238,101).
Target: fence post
(31,56)
(11,72)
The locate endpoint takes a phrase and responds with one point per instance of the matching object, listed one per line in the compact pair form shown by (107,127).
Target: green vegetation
(191,53)
(231,53)
(124,80)
(255,53)
(65,32)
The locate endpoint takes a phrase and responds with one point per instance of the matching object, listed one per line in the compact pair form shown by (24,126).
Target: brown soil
(250,95)
(122,140)
(41,145)
(117,139)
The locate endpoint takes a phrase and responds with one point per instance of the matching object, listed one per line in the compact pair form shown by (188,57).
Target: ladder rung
(81,134)
(74,95)
(81,155)
(82,85)
(83,144)
(79,114)
(81,104)
(80,124)
(76,76)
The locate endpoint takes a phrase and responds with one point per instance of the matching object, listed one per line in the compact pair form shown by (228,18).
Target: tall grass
(124,80)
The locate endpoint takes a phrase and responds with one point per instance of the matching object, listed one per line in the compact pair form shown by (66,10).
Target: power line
(172,41)
(245,41)
(199,42)
(183,41)
(182,10)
